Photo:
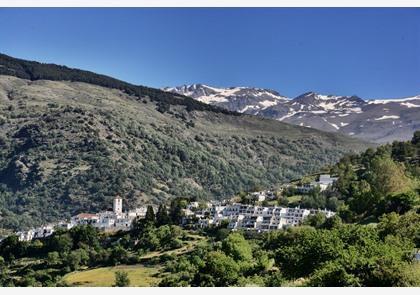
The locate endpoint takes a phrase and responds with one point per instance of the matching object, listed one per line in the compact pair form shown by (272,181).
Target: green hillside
(68,147)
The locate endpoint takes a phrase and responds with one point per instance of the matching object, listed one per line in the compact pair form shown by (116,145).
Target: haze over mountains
(378,121)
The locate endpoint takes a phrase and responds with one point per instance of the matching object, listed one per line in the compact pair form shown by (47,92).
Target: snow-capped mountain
(374,120)
(239,99)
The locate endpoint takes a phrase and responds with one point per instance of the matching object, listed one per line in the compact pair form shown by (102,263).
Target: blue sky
(370,52)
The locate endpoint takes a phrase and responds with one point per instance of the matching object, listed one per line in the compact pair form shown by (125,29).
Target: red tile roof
(87,215)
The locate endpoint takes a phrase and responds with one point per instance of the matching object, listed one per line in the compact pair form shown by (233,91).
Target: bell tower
(117,205)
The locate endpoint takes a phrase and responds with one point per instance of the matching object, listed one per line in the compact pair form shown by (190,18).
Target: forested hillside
(372,245)
(69,147)
(71,142)
(378,181)
(369,184)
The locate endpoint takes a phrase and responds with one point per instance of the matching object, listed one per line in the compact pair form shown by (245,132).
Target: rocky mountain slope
(236,99)
(374,120)
(70,146)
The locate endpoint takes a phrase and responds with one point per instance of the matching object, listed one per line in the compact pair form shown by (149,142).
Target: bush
(53,258)
(121,279)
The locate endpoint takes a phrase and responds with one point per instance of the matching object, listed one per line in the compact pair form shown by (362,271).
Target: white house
(258,196)
(261,218)
(84,218)
(325,180)
(138,212)
(26,236)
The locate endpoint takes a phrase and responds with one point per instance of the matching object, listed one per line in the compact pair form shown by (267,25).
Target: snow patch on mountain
(334,125)
(240,99)
(387,117)
(268,103)
(391,100)
(410,105)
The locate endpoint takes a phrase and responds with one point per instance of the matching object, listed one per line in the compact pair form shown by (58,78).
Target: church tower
(117,206)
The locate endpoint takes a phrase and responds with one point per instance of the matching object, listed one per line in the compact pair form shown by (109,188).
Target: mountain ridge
(376,120)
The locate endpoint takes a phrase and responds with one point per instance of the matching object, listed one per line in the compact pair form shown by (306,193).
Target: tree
(315,220)
(11,248)
(402,151)
(332,222)
(315,199)
(346,176)
(362,198)
(150,215)
(388,177)
(221,234)
(148,239)
(118,255)
(416,138)
(275,279)
(61,243)
(334,274)
(176,210)
(85,235)
(168,236)
(304,250)
(346,213)
(121,279)
(73,260)
(53,258)
(406,226)
(400,203)
(237,247)
(4,276)
(30,281)
(142,225)
(283,201)
(219,271)
(162,217)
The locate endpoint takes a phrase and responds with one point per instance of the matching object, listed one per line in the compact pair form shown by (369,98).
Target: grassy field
(140,276)
(188,247)
(294,199)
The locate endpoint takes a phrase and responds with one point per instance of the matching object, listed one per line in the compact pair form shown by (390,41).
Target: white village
(238,216)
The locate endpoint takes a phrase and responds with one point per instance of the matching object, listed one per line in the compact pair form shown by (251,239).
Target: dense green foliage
(331,255)
(349,255)
(380,181)
(377,181)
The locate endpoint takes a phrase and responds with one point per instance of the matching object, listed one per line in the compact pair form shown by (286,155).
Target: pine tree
(162,217)
(150,215)
(176,212)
